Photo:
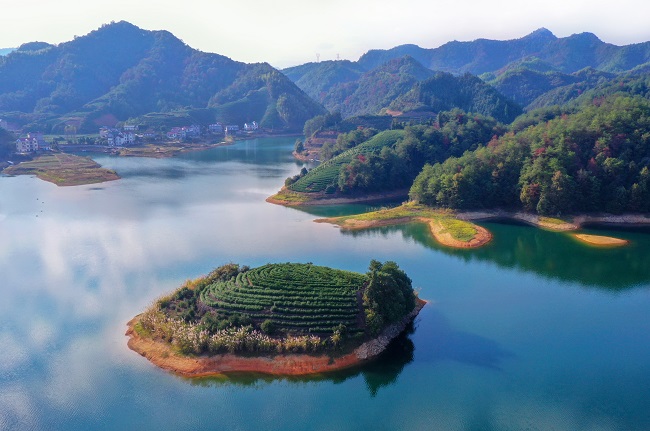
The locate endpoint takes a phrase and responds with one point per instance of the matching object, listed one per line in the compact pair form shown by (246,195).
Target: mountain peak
(542,33)
(33,46)
(585,36)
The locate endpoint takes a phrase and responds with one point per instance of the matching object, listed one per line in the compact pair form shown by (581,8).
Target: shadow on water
(381,372)
(553,255)
(445,343)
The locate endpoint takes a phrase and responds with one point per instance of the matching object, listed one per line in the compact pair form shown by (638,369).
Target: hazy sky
(289,32)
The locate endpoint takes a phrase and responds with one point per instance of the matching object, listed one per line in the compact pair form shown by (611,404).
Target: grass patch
(141,330)
(290,196)
(459,229)
(551,220)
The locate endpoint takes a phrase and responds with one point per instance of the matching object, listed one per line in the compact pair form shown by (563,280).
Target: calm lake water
(534,331)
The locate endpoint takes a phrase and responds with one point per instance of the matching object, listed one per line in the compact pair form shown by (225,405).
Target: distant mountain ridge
(400,85)
(121,71)
(533,71)
(568,54)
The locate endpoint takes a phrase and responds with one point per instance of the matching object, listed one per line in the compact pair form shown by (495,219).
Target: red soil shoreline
(162,355)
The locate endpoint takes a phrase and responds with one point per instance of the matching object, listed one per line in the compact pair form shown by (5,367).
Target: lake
(533,331)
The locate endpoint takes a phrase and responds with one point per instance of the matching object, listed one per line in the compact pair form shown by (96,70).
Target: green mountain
(568,54)
(121,71)
(445,91)
(345,87)
(585,80)
(376,89)
(316,79)
(524,85)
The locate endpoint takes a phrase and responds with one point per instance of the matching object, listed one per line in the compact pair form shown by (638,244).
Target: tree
(268,327)
(388,296)
(299,146)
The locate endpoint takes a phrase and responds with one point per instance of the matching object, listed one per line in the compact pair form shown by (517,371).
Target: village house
(216,128)
(249,127)
(193,131)
(26,145)
(115,138)
(185,132)
(149,135)
(175,133)
(105,131)
(31,142)
(232,129)
(130,128)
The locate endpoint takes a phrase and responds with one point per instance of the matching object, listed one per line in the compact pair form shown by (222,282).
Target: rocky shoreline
(577,221)
(163,355)
(309,199)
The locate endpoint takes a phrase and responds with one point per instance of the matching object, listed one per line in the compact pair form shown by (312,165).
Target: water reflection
(553,255)
(348,209)
(97,255)
(450,344)
(380,373)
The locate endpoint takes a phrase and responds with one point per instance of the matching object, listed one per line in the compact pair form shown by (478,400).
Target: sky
(291,32)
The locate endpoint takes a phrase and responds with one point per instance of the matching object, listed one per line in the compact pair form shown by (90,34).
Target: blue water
(534,331)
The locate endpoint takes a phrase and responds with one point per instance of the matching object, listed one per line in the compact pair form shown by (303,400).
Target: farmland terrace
(309,318)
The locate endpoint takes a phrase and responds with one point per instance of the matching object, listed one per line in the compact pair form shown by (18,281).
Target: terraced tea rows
(327,173)
(295,297)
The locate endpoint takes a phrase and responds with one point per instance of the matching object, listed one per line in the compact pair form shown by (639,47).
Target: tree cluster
(596,159)
(388,296)
(453,133)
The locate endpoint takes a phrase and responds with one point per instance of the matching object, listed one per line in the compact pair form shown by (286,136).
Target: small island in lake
(283,319)
(63,170)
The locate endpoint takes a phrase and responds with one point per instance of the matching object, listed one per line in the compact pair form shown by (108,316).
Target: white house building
(216,128)
(249,127)
(31,142)
(232,129)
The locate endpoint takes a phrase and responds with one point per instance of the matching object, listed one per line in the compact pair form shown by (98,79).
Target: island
(63,169)
(281,319)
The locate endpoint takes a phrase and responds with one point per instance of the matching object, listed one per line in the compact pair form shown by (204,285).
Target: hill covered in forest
(402,85)
(120,71)
(534,71)
(596,158)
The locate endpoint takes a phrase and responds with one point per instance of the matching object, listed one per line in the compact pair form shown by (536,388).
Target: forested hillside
(392,159)
(534,71)
(444,91)
(595,159)
(121,71)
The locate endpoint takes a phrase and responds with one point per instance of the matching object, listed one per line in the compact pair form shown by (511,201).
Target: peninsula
(443,225)
(283,319)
